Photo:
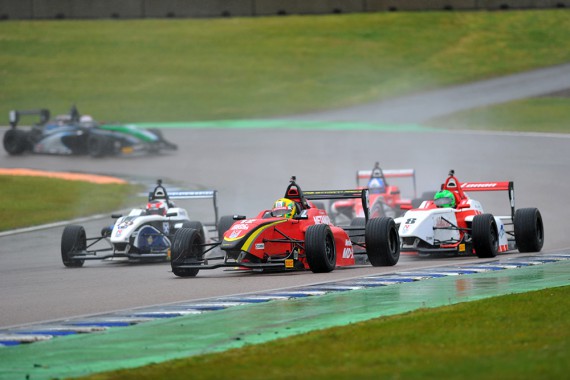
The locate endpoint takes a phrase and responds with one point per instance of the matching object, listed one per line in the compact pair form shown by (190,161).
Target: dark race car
(73,134)
(294,235)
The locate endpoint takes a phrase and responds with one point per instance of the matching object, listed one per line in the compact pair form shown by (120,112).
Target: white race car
(456,224)
(145,234)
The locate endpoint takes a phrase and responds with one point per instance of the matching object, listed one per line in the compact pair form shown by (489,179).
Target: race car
(145,234)
(454,224)
(73,134)
(293,235)
(385,199)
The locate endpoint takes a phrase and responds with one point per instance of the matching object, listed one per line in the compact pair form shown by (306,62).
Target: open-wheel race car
(385,198)
(144,235)
(454,224)
(75,134)
(293,235)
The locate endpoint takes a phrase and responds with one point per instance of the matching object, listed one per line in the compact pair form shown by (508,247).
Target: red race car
(293,235)
(385,199)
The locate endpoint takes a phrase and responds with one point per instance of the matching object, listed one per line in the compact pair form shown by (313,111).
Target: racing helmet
(284,207)
(376,186)
(444,198)
(156,207)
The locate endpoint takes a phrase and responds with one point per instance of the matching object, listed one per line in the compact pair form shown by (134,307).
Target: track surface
(250,169)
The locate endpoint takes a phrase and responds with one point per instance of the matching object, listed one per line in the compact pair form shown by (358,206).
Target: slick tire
(73,241)
(187,248)
(198,226)
(485,235)
(320,248)
(16,142)
(529,230)
(382,242)
(224,224)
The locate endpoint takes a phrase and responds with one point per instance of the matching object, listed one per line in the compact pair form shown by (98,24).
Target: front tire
(485,235)
(320,249)
(73,240)
(529,230)
(16,142)
(187,248)
(382,242)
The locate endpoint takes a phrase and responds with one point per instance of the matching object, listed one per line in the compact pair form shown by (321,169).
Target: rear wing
(201,194)
(14,116)
(341,194)
(493,186)
(389,173)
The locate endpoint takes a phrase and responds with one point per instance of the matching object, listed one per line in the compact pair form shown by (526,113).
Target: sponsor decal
(260,246)
(502,231)
(478,185)
(239,226)
(441,223)
(322,219)
(406,228)
(119,232)
(347,252)
(166,228)
(289,263)
(235,234)
(410,221)
(461,247)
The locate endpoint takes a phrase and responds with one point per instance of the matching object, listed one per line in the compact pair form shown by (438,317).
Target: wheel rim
(329,251)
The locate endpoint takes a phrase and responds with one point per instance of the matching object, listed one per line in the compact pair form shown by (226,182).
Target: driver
(284,208)
(376,186)
(444,198)
(156,207)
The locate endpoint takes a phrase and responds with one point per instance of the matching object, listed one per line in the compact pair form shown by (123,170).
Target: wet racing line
(132,338)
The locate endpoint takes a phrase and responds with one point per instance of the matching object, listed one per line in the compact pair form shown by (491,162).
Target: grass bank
(522,336)
(197,69)
(31,201)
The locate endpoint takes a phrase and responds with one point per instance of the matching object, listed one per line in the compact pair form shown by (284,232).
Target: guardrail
(134,9)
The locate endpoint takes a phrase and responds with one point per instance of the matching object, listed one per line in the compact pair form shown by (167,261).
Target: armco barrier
(125,9)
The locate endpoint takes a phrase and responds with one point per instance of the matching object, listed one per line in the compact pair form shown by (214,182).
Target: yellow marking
(251,239)
(289,263)
(461,247)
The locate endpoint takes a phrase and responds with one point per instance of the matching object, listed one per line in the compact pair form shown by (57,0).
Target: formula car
(455,224)
(73,134)
(385,199)
(299,236)
(145,234)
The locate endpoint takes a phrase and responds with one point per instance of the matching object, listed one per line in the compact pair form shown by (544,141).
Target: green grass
(31,201)
(523,336)
(538,114)
(197,69)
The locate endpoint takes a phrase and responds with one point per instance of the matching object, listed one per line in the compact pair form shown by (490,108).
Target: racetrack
(250,168)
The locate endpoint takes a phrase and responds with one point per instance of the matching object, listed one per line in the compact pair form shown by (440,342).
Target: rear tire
(485,235)
(16,141)
(320,249)
(186,249)
(382,242)
(73,240)
(529,230)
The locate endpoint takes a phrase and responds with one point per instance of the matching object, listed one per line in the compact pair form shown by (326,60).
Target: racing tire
(195,225)
(73,239)
(16,142)
(382,242)
(97,146)
(529,230)
(320,248)
(485,235)
(224,224)
(186,249)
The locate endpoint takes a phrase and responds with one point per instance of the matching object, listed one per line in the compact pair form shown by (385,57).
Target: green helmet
(444,198)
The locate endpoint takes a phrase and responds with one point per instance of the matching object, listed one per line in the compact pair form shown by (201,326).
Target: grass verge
(198,69)
(522,336)
(548,114)
(33,201)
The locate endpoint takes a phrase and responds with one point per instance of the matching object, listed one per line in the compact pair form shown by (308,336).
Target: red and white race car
(385,199)
(457,224)
(302,238)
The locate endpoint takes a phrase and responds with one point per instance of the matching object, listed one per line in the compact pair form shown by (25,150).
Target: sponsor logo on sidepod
(347,252)
(322,219)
